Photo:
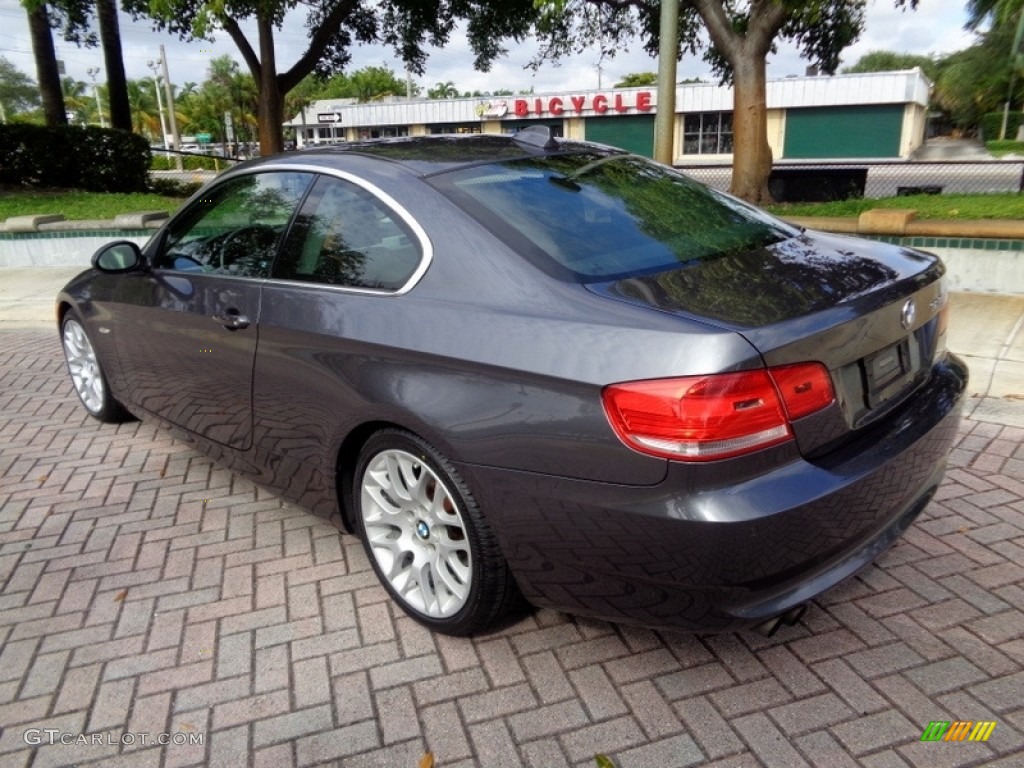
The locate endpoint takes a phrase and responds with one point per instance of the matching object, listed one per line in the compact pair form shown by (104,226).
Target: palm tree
(234,92)
(143,108)
(1000,11)
(117,84)
(77,100)
(47,71)
(1002,14)
(445,90)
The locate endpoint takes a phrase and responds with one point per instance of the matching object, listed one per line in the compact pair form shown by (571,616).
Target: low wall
(61,249)
(972,264)
(982,256)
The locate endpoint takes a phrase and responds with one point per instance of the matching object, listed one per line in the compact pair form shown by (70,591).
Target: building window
(456,128)
(512,127)
(384,132)
(707,133)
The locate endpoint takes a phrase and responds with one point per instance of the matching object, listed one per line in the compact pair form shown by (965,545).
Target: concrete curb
(55,222)
(904,223)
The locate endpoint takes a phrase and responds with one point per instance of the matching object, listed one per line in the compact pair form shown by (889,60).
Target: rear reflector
(701,418)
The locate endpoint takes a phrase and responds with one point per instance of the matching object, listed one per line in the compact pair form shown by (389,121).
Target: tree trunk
(270,110)
(46,66)
(113,59)
(752,156)
(746,52)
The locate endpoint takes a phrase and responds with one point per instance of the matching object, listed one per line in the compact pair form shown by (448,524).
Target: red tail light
(805,388)
(700,418)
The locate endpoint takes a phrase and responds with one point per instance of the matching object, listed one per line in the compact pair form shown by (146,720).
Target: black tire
(87,376)
(441,538)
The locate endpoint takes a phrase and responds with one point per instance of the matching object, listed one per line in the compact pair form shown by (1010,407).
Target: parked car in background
(520,367)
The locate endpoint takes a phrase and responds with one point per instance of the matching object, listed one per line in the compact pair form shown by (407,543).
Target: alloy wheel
(416,533)
(86,375)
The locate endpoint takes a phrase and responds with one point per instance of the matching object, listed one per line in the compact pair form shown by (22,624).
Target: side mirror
(120,256)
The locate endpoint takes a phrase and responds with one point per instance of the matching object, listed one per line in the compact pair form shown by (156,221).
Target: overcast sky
(935,27)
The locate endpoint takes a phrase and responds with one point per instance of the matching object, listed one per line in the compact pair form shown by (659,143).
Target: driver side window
(236,227)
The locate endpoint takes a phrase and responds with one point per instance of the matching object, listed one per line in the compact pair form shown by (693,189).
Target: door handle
(232,319)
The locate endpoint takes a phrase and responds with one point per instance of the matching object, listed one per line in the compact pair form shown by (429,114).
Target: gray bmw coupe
(520,367)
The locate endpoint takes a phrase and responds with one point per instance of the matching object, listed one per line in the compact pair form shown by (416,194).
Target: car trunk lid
(870,312)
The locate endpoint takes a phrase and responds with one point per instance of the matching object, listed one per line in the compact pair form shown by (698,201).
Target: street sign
(204,138)
(328,117)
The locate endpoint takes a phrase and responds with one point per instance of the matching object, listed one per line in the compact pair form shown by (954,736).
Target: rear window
(605,217)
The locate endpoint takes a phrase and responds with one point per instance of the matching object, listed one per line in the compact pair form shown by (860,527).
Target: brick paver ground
(144,589)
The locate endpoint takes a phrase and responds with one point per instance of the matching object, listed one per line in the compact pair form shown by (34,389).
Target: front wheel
(426,538)
(87,376)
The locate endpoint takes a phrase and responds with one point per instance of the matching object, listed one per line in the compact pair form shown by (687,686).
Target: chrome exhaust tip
(793,616)
(768,627)
(790,618)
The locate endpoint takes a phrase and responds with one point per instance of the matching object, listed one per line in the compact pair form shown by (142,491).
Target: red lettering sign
(600,103)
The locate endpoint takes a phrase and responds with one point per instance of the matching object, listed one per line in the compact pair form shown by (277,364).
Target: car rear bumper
(730,553)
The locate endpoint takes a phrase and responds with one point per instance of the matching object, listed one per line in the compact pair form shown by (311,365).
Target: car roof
(439,153)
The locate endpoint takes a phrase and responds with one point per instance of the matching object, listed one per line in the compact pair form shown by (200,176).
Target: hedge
(73,157)
(189,163)
(993,122)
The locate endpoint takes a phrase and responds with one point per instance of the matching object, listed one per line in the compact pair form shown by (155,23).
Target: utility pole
(169,93)
(155,66)
(668,48)
(93,71)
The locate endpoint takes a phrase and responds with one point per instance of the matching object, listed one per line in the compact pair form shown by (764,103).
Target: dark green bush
(993,122)
(174,187)
(73,157)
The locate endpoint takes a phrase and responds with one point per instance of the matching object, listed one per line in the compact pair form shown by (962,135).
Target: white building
(864,116)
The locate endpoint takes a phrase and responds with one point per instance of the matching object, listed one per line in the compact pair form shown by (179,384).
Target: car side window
(236,227)
(345,236)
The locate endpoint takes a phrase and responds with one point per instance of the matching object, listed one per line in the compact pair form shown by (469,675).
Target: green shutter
(865,131)
(634,133)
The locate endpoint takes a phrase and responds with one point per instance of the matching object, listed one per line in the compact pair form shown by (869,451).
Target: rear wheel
(87,375)
(426,537)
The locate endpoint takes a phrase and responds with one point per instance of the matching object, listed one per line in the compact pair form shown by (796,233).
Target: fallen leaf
(603,761)
(427,761)
(186,727)
(120,596)
(42,479)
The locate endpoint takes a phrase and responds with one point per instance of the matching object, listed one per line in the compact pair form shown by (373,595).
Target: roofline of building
(903,86)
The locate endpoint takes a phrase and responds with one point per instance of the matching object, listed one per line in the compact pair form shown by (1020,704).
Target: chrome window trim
(426,247)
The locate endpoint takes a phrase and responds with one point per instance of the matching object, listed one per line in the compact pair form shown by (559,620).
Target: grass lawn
(1003,205)
(998,148)
(76,204)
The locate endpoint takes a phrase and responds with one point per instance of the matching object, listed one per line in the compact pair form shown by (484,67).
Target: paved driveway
(144,590)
